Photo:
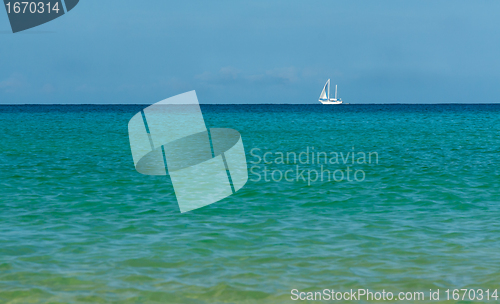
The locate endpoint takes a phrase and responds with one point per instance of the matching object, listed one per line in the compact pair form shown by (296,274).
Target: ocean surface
(78,224)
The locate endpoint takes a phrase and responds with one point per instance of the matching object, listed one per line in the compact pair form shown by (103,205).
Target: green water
(78,224)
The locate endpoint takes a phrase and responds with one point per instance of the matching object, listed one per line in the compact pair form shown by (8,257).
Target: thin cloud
(13,83)
(232,76)
(48,88)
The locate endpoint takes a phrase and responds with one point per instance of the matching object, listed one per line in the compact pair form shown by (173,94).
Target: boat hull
(330,102)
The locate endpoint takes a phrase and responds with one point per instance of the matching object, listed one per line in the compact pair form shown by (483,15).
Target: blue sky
(125,51)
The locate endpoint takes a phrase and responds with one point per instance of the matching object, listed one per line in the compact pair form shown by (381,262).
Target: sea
(383,198)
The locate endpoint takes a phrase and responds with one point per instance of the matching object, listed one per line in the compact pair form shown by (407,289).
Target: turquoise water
(78,224)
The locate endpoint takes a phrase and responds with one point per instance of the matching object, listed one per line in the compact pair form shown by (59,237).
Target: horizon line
(216,104)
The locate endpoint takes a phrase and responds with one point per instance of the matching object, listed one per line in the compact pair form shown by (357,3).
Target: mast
(335,92)
(328,96)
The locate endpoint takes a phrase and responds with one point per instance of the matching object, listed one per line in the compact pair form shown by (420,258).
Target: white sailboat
(324,98)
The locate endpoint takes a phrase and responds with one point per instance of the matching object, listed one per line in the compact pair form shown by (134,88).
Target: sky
(140,52)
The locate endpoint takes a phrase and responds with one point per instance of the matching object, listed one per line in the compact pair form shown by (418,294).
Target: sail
(324,93)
